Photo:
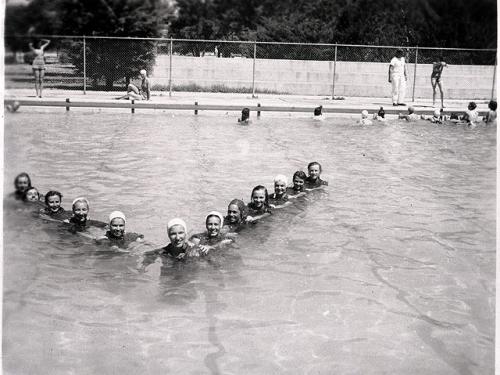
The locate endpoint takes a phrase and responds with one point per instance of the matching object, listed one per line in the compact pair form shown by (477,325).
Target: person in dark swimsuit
(236,217)
(279,198)
(142,93)
(314,180)
(116,235)
(22,183)
(297,190)
(79,222)
(437,70)
(214,237)
(259,205)
(53,209)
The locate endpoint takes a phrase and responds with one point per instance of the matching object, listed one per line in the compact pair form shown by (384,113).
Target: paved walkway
(353,103)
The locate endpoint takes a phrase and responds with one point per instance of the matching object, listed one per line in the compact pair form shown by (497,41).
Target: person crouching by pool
(53,209)
(314,180)
(298,188)
(411,116)
(79,221)
(214,237)
(259,204)
(116,235)
(22,183)
(364,118)
(236,216)
(245,116)
(279,198)
(143,93)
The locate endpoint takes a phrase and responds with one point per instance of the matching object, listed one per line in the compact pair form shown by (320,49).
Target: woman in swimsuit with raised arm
(437,69)
(38,65)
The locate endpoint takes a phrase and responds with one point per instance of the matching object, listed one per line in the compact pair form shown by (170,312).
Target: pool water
(390,270)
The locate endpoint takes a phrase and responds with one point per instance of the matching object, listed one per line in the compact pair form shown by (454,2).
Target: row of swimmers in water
(220,230)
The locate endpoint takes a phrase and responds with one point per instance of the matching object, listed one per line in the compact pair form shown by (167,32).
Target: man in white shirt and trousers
(397,77)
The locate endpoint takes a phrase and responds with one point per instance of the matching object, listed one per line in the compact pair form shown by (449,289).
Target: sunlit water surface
(390,270)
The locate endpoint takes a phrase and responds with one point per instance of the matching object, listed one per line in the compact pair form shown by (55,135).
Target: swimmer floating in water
(116,235)
(236,216)
(178,248)
(411,116)
(436,118)
(279,198)
(32,195)
(471,116)
(318,113)
(491,116)
(259,205)
(53,209)
(298,188)
(314,180)
(80,223)
(213,238)
(364,118)
(245,116)
(22,183)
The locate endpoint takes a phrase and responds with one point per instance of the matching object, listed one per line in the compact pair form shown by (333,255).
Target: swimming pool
(391,270)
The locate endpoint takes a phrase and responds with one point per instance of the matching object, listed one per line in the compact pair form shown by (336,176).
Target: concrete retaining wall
(315,77)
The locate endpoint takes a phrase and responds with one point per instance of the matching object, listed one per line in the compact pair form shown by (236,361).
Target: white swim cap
(437,113)
(175,222)
(281,178)
(81,199)
(364,113)
(215,213)
(143,72)
(117,215)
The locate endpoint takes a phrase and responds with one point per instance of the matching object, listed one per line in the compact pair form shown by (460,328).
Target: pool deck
(230,102)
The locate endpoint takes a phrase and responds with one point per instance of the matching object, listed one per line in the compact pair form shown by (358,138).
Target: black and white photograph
(249,187)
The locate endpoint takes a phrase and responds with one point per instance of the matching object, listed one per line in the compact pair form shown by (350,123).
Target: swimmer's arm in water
(281,205)
(301,194)
(252,219)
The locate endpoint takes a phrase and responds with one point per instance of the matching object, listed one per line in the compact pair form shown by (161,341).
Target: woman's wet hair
(315,163)
(23,174)
(241,207)
(300,174)
(261,187)
(492,105)
(52,193)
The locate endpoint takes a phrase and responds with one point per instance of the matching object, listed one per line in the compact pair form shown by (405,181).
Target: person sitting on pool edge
(245,116)
(491,116)
(144,93)
(22,183)
(314,180)
(297,190)
(411,116)
(259,204)
(116,235)
(236,216)
(214,237)
(53,209)
(279,198)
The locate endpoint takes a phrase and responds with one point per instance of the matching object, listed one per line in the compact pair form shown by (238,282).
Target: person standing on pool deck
(437,69)
(38,65)
(144,93)
(397,77)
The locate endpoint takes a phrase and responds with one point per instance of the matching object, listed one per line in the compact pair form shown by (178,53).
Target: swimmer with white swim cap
(79,221)
(142,93)
(364,118)
(116,235)
(279,198)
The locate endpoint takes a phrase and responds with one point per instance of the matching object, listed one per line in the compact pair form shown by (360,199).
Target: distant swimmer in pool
(80,222)
(259,205)
(22,183)
(214,237)
(436,118)
(364,118)
(142,93)
(279,198)
(38,64)
(116,235)
(491,116)
(380,115)
(245,116)
(298,188)
(53,209)
(236,216)
(411,116)
(314,179)
(178,248)
(318,113)
(32,195)
(471,116)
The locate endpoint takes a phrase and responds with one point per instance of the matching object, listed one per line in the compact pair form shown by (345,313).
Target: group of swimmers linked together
(220,230)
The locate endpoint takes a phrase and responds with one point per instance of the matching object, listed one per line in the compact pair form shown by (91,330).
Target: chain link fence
(109,64)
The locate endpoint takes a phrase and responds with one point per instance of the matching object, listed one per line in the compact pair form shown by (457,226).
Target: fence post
(494,79)
(84,67)
(415,74)
(170,69)
(334,72)
(253,69)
